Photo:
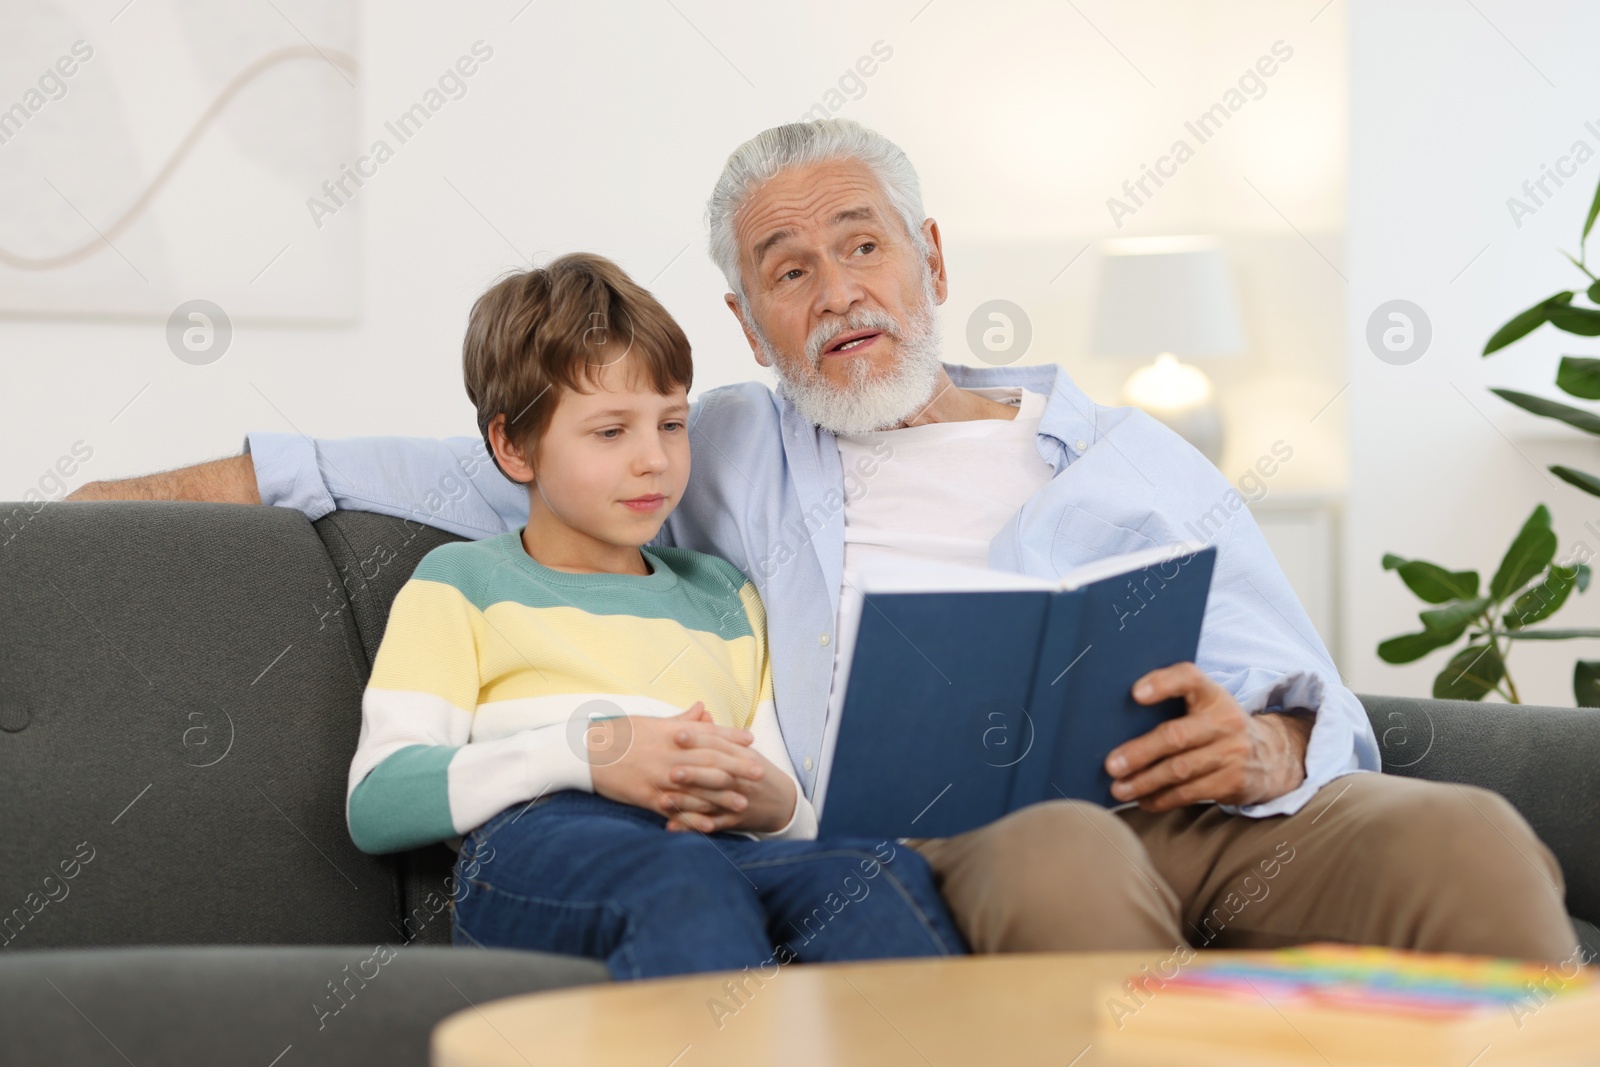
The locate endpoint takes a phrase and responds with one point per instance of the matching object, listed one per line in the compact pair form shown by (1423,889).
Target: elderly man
(1251,821)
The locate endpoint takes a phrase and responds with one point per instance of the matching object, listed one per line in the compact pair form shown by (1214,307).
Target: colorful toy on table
(1369,978)
(1333,1002)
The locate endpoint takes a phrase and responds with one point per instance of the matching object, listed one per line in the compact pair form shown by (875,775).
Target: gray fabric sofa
(179,700)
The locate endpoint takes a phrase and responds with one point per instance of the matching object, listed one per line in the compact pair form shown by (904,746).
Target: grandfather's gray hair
(800,144)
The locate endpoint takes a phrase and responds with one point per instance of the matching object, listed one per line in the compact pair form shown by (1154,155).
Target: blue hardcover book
(971,693)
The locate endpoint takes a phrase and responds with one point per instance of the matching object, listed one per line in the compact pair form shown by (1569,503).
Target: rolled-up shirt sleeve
(1258,642)
(287,475)
(1141,485)
(1341,739)
(450,483)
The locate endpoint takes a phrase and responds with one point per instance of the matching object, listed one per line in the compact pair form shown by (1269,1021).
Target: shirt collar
(1069,415)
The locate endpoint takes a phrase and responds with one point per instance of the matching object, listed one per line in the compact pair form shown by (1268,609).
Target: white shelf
(1302,529)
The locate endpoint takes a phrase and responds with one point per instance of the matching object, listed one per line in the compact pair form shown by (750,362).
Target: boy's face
(613,463)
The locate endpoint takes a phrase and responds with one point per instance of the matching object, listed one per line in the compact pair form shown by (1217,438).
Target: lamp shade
(1165,294)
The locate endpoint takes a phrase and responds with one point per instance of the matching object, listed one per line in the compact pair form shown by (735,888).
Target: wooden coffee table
(994,1011)
(988,1011)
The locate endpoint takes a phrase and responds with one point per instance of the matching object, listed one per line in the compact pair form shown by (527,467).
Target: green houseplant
(1577,376)
(1528,586)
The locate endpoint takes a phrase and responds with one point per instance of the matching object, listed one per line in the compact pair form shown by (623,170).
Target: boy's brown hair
(537,332)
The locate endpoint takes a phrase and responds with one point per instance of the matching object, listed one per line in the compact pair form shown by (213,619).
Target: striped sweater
(492,665)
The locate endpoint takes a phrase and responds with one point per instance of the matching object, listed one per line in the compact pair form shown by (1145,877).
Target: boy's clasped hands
(701,775)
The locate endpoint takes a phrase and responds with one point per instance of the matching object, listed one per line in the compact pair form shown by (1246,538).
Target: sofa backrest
(374,555)
(178,708)
(180,696)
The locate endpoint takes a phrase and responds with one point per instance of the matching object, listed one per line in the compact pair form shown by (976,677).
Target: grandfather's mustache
(863,319)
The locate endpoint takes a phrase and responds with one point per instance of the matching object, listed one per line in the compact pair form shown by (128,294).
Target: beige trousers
(1371,859)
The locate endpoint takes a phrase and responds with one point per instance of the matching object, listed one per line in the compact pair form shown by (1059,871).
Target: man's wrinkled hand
(1215,751)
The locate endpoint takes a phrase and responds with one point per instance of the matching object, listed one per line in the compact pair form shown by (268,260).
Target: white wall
(602,126)
(1452,109)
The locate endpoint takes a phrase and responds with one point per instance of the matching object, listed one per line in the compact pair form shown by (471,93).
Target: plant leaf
(1453,619)
(1409,647)
(1525,322)
(1586,683)
(1585,322)
(1587,482)
(1577,418)
(1594,293)
(1430,581)
(1588,223)
(1579,376)
(1583,577)
(1545,635)
(1530,552)
(1470,674)
(1542,600)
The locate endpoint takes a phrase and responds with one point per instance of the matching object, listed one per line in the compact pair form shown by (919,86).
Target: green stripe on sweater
(693,589)
(404,802)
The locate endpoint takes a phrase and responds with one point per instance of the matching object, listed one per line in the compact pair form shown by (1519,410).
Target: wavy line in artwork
(229,91)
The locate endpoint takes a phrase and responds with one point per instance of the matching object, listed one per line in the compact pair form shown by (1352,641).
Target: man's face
(613,463)
(841,304)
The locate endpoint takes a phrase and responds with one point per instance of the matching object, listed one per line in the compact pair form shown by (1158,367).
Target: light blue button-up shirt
(767,493)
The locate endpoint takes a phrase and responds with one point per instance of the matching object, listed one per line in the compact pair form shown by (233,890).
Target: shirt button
(808,763)
(823,638)
(1082,445)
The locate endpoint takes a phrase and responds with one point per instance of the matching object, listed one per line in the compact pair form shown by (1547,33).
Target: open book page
(850,602)
(899,575)
(896,574)
(1111,566)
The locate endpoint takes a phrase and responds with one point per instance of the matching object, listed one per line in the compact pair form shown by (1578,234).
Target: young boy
(531,688)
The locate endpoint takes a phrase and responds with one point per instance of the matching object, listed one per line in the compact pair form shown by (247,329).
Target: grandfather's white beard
(864,403)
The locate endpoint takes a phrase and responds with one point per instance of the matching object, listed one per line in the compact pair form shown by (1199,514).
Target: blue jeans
(578,874)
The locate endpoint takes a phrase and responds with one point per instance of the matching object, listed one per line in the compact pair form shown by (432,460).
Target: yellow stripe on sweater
(520,652)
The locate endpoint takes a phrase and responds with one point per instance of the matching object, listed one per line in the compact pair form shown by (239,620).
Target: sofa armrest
(1545,760)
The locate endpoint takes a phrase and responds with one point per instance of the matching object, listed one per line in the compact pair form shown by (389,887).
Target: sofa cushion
(176,726)
(294,1007)
(374,555)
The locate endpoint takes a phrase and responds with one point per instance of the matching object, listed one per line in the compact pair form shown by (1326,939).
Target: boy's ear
(513,462)
(749,335)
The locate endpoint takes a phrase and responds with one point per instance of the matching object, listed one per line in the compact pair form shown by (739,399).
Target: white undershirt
(942,491)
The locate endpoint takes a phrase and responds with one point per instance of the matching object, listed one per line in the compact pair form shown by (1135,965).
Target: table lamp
(1168,297)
